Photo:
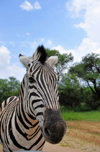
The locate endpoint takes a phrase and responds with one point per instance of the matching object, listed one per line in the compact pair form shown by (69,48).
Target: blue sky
(64,25)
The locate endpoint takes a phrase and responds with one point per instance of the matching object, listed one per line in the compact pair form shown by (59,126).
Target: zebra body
(33,117)
(23,131)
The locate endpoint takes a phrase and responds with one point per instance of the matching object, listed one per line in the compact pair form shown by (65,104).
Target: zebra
(34,117)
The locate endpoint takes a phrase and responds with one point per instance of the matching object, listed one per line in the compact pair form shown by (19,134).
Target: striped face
(43,93)
(45,81)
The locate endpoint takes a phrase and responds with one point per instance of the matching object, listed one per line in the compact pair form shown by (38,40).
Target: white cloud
(7,68)
(37,5)
(27,34)
(42,40)
(89,10)
(4,56)
(60,49)
(16,71)
(26,5)
(48,42)
(86,46)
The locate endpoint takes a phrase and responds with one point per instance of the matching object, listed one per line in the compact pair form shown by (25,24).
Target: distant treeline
(79,86)
(9,87)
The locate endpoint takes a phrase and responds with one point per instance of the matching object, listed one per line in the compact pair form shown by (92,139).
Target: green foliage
(73,91)
(64,60)
(9,87)
(89,70)
(88,116)
(69,91)
(52,52)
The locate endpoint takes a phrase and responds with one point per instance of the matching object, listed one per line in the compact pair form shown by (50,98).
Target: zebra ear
(24,60)
(52,60)
(40,54)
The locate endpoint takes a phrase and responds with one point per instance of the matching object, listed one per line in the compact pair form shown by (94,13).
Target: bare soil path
(57,148)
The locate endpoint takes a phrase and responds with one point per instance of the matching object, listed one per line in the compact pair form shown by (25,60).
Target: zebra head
(42,94)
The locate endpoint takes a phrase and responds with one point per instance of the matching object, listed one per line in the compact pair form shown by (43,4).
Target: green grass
(87,116)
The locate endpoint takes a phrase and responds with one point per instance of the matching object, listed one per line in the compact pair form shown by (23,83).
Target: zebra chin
(54,126)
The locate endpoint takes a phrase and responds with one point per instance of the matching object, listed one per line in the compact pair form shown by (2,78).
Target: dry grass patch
(88,131)
(82,135)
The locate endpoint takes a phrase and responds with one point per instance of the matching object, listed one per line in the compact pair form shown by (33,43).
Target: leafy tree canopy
(9,87)
(89,70)
(64,60)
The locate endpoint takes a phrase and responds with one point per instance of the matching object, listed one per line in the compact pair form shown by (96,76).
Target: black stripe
(36,141)
(35,101)
(35,132)
(24,81)
(31,116)
(22,122)
(5,103)
(11,98)
(35,124)
(33,94)
(39,113)
(10,150)
(25,116)
(32,86)
(22,90)
(12,135)
(40,77)
(19,130)
(41,145)
(39,106)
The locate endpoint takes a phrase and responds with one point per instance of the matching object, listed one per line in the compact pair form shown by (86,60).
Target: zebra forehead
(36,67)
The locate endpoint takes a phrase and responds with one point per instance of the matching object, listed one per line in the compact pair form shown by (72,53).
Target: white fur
(25,60)
(52,60)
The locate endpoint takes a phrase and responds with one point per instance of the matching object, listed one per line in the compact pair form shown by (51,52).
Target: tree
(9,87)
(63,62)
(89,70)
(70,91)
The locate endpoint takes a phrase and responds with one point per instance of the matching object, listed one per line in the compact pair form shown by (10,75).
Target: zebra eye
(29,65)
(31,80)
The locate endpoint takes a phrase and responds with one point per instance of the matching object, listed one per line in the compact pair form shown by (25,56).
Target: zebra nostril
(47,132)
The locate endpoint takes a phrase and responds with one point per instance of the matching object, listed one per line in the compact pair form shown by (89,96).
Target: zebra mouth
(54,126)
(55,132)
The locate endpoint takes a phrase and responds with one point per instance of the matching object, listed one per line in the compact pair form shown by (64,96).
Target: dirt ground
(58,148)
(53,148)
(81,136)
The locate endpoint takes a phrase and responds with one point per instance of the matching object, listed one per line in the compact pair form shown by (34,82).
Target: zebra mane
(41,54)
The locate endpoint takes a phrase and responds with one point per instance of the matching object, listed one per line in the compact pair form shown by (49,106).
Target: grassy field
(87,116)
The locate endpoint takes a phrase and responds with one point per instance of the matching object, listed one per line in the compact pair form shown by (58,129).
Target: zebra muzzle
(54,126)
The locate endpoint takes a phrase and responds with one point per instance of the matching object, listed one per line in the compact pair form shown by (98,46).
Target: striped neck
(31,99)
